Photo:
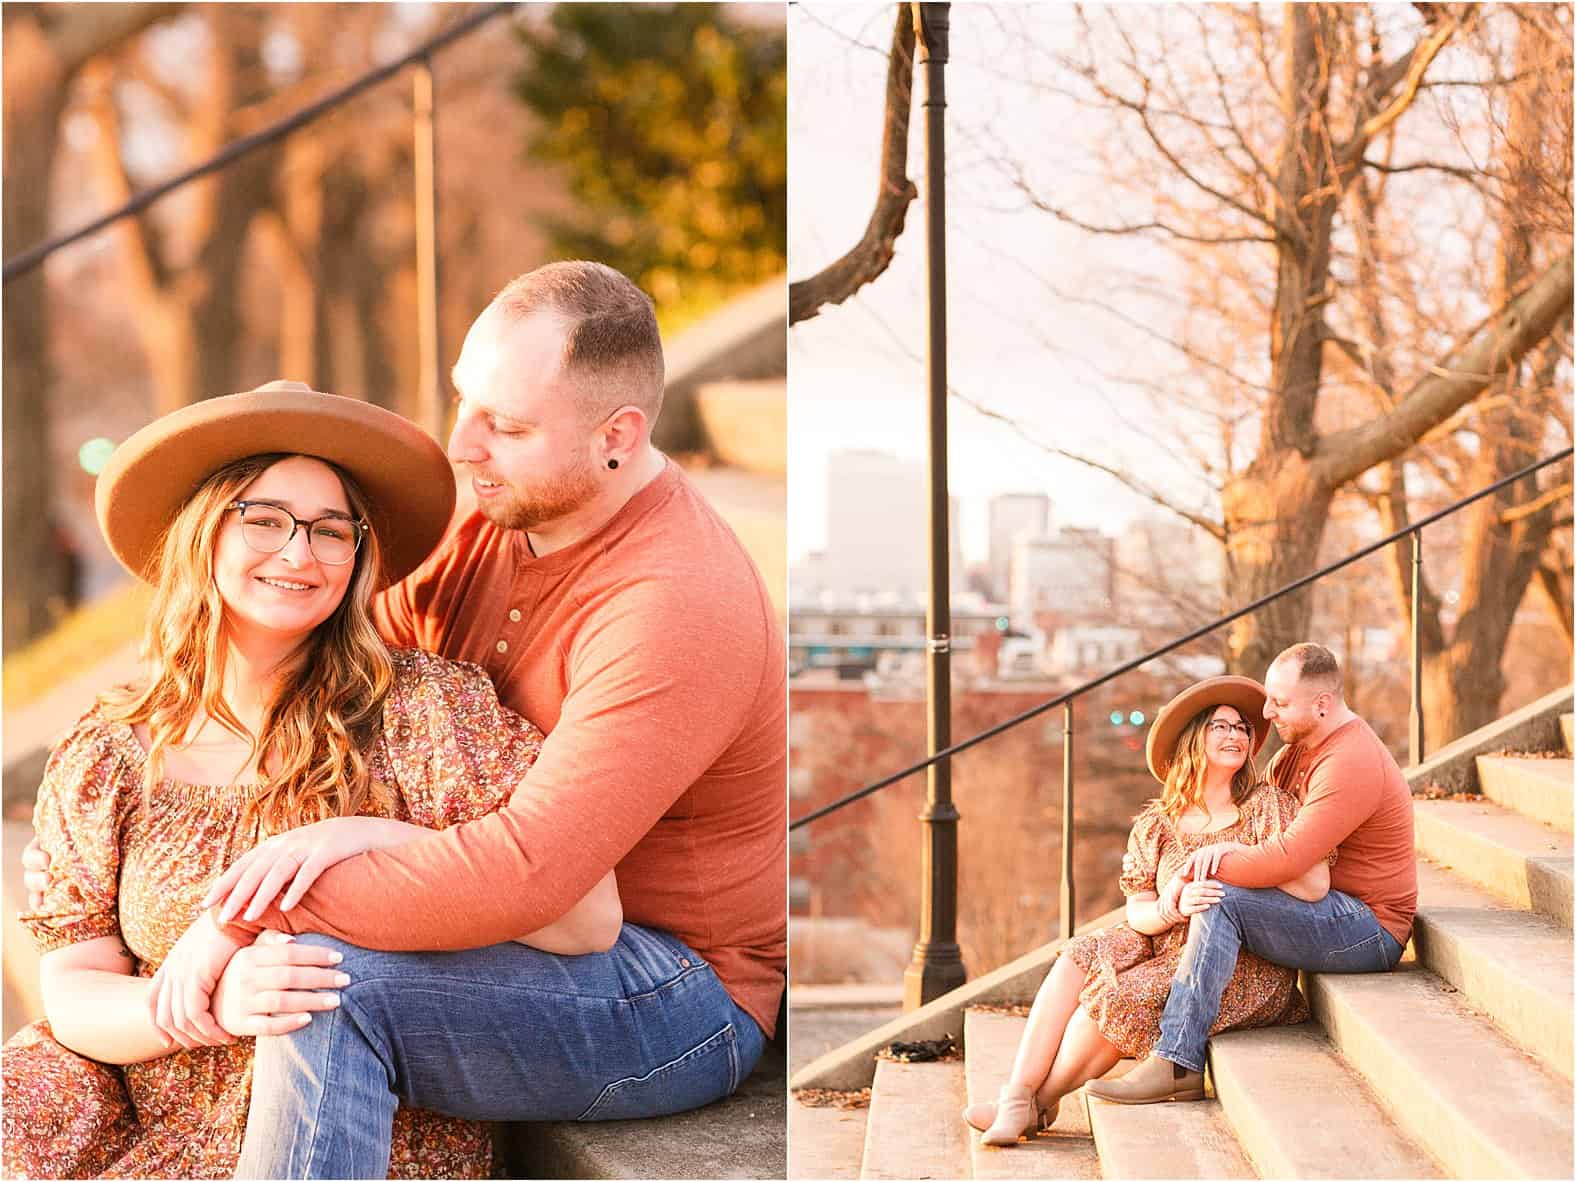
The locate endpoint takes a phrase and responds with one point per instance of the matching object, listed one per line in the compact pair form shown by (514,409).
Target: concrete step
(1446,1075)
(1524,862)
(1568,732)
(745,423)
(1513,965)
(1065,1151)
(825,1142)
(744,1136)
(1264,1080)
(913,1129)
(1184,1140)
(1537,788)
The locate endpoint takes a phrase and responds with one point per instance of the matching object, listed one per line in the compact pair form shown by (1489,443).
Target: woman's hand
(1169,902)
(1199,895)
(272,985)
(179,1003)
(297,858)
(1205,861)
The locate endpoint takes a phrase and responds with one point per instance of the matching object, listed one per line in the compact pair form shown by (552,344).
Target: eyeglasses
(1220,728)
(333,539)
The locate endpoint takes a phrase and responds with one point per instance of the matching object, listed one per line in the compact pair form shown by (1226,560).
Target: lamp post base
(935,969)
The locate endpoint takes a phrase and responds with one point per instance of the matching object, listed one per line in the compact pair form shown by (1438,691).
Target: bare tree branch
(1141,227)
(1455,380)
(872,254)
(1407,72)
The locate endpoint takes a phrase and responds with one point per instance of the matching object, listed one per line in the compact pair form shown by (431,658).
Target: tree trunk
(35,95)
(44,47)
(1464,679)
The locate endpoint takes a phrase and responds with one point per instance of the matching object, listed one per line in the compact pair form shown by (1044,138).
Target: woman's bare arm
(1311,885)
(1143,914)
(591,925)
(97,1006)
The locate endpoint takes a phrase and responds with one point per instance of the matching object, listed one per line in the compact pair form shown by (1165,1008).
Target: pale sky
(857,369)
(1026,336)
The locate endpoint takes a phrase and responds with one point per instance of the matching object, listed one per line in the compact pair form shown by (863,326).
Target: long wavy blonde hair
(1184,786)
(326,711)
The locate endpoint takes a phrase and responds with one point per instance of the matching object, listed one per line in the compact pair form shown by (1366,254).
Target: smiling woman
(278,579)
(270,706)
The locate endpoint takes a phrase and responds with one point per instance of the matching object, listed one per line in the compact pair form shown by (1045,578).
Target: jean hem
(1173,1057)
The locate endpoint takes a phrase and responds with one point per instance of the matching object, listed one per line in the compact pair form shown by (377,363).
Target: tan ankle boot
(1153,1081)
(983,1114)
(1016,1114)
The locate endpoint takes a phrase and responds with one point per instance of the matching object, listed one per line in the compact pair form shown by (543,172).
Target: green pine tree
(669,122)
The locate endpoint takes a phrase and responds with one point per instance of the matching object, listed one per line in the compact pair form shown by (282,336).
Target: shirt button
(514,614)
(683,963)
(503,646)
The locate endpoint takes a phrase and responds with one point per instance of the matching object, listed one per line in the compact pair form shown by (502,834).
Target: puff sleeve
(1143,844)
(88,786)
(457,753)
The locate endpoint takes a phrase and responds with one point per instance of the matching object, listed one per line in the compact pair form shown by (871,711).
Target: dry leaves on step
(831,1098)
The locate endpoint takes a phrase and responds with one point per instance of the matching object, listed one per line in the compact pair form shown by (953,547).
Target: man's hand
(297,858)
(184,985)
(35,873)
(1205,862)
(1199,895)
(272,985)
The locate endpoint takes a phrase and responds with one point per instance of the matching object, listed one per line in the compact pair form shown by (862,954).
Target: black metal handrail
(21,264)
(1065,700)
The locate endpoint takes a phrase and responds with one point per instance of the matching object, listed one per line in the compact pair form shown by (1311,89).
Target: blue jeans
(1338,934)
(500,1033)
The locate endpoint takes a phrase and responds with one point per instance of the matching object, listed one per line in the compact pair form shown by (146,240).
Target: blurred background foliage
(669,123)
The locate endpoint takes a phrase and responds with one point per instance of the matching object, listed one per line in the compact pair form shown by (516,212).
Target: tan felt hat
(1242,693)
(402,470)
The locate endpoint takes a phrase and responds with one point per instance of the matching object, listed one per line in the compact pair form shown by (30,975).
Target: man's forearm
(1267,864)
(464,887)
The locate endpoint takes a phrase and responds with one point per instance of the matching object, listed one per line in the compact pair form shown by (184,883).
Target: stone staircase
(1458,1064)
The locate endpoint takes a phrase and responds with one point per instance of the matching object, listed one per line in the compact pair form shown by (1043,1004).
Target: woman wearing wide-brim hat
(1105,994)
(269,706)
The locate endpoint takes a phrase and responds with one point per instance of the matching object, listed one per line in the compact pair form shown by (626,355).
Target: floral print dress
(1128,974)
(133,865)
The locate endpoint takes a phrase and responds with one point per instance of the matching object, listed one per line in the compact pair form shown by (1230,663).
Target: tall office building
(1012,516)
(877,540)
(1068,575)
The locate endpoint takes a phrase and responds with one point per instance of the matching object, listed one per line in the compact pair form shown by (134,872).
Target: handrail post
(1417,648)
(1067,921)
(430,404)
(937,965)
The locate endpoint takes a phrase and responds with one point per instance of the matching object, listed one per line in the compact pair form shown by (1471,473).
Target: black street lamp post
(937,965)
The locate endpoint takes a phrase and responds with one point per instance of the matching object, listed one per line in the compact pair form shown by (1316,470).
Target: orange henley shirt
(1354,801)
(651,655)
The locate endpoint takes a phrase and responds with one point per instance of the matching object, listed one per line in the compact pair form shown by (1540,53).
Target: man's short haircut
(1314,663)
(612,350)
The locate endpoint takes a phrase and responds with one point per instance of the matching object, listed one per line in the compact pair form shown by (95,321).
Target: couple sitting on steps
(1232,885)
(336,670)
